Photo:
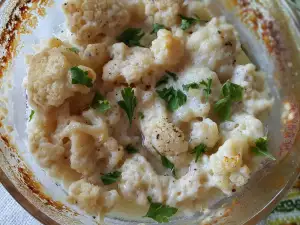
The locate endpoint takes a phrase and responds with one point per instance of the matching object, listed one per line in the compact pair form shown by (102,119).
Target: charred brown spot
(35,187)
(5,140)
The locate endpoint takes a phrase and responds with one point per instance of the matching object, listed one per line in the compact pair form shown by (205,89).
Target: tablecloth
(11,213)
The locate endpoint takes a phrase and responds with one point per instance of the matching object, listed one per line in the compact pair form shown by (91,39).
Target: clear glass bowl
(269,32)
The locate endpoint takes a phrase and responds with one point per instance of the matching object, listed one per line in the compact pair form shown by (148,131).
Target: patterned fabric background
(288,210)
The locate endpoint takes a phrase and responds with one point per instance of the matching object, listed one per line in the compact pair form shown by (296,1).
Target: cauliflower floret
(113,153)
(164,137)
(139,181)
(136,9)
(91,20)
(255,96)
(84,133)
(197,8)
(49,80)
(242,125)
(50,155)
(153,108)
(83,155)
(163,11)
(227,163)
(129,65)
(215,46)
(190,187)
(167,49)
(197,104)
(91,198)
(95,56)
(205,132)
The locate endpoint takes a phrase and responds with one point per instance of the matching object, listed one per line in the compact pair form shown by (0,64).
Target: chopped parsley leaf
(31,115)
(80,76)
(168,164)
(193,85)
(173,75)
(230,93)
(131,149)
(261,148)
(187,22)
(73,49)
(111,178)
(174,98)
(199,150)
(131,37)
(159,212)
(157,27)
(141,115)
(207,84)
(165,78)
(128,103)
(100,104)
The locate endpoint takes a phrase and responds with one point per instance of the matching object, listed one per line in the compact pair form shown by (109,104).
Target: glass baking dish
(269,31)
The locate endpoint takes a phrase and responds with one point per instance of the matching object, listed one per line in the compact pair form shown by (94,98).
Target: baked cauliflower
(167,49)
(91,198)
(95,56)
(139,181)
(49,80)
(165,138)
(92,20)
(163,11)
(204,132)
(129,65)
(198,103)
(215,46)
(242,125)
(227,164)
(256,98)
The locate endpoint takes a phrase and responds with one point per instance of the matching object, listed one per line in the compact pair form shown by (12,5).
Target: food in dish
(146,102)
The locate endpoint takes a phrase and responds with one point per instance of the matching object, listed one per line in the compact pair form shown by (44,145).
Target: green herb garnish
(141,115)
(131,37)
(131,149)
(261,148)
(174,98)
(75,50)
(173,75)
(159,212)
(111,178)
(128,103)
(168,164)
(230,93)
(199,150)
(207,84)
(157,27)
(193,85)
(80,76)
(100,104)
(187,22)
(31,115)
(165,78)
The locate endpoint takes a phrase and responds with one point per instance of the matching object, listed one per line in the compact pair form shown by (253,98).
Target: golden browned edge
(18,24)
(31,209)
